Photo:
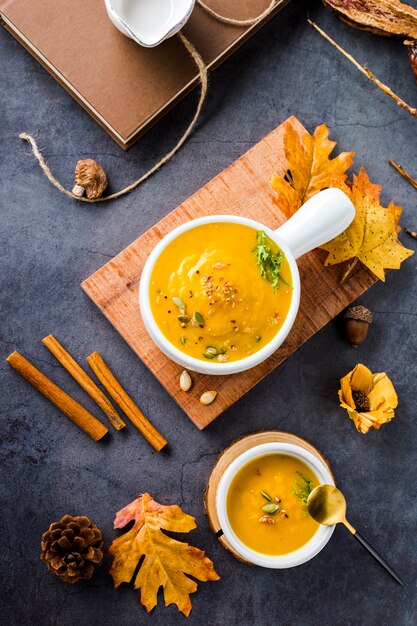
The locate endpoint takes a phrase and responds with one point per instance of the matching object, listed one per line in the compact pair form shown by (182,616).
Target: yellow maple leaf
(166,561)
(309,168)
(372,237)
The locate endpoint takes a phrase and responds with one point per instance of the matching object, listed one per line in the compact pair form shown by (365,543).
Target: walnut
(89,178)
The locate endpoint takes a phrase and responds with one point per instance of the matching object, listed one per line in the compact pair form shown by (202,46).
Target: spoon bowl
(327,505)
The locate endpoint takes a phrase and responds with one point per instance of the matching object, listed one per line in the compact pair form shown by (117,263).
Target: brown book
(126,88)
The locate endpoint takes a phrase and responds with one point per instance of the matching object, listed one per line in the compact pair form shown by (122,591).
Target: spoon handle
(377,557)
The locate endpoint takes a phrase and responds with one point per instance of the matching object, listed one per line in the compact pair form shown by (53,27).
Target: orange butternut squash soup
(220,291)
(266,504)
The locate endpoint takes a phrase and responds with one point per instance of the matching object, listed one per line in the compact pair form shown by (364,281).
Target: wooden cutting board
(243,189)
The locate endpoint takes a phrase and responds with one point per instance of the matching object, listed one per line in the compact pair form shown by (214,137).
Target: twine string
(203,79)
(202,70)
(233,22)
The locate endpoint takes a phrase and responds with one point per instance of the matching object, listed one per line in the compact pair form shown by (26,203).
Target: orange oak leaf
(372,237)
(309,168)
(167,563)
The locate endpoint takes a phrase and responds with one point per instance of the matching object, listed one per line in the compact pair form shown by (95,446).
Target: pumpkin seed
(183,340)
(210,352)
(198,320)
(270,508)
(179,303)
(266,495)
(184,319)
(207,397)
(185,381)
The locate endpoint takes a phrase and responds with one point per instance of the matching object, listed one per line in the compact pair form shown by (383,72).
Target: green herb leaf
(270,508)
(269,260)
(302,489)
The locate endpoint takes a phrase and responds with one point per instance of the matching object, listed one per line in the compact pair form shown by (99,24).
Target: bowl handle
(319,220)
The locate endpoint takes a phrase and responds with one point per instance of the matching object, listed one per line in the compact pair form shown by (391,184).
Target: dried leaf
(166,561)
(372,238)
(383,17)
(309,167)
(412,57)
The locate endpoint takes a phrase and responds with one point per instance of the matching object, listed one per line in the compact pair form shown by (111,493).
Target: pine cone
(72,548)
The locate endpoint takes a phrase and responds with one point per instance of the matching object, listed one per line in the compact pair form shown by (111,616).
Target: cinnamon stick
(83,379)
(78,414)
(125,402)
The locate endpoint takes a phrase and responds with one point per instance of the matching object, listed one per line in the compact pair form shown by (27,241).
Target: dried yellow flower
(369,399)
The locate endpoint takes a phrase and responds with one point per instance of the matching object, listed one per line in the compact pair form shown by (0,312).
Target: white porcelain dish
(149,22)
(292,559)
(320,219)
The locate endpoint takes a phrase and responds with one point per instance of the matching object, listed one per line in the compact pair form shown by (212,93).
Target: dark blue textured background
(49,244)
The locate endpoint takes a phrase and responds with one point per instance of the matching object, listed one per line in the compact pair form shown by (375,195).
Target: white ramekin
(308,550)
(320,219)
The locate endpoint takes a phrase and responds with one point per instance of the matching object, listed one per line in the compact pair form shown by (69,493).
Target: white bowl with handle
(319,220)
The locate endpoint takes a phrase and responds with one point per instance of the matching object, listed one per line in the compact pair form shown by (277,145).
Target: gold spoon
(327,505)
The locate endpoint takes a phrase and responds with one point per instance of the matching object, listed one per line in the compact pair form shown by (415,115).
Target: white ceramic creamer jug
(149,22)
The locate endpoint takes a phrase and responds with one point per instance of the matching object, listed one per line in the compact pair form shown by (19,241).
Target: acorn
(358,318)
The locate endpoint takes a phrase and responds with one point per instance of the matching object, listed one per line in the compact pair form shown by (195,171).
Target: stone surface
(49,244)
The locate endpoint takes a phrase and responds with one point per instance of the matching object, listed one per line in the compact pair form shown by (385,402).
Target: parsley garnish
(302,490)
(269,261)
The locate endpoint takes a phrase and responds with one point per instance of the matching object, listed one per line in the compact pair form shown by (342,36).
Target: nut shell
(90,176)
